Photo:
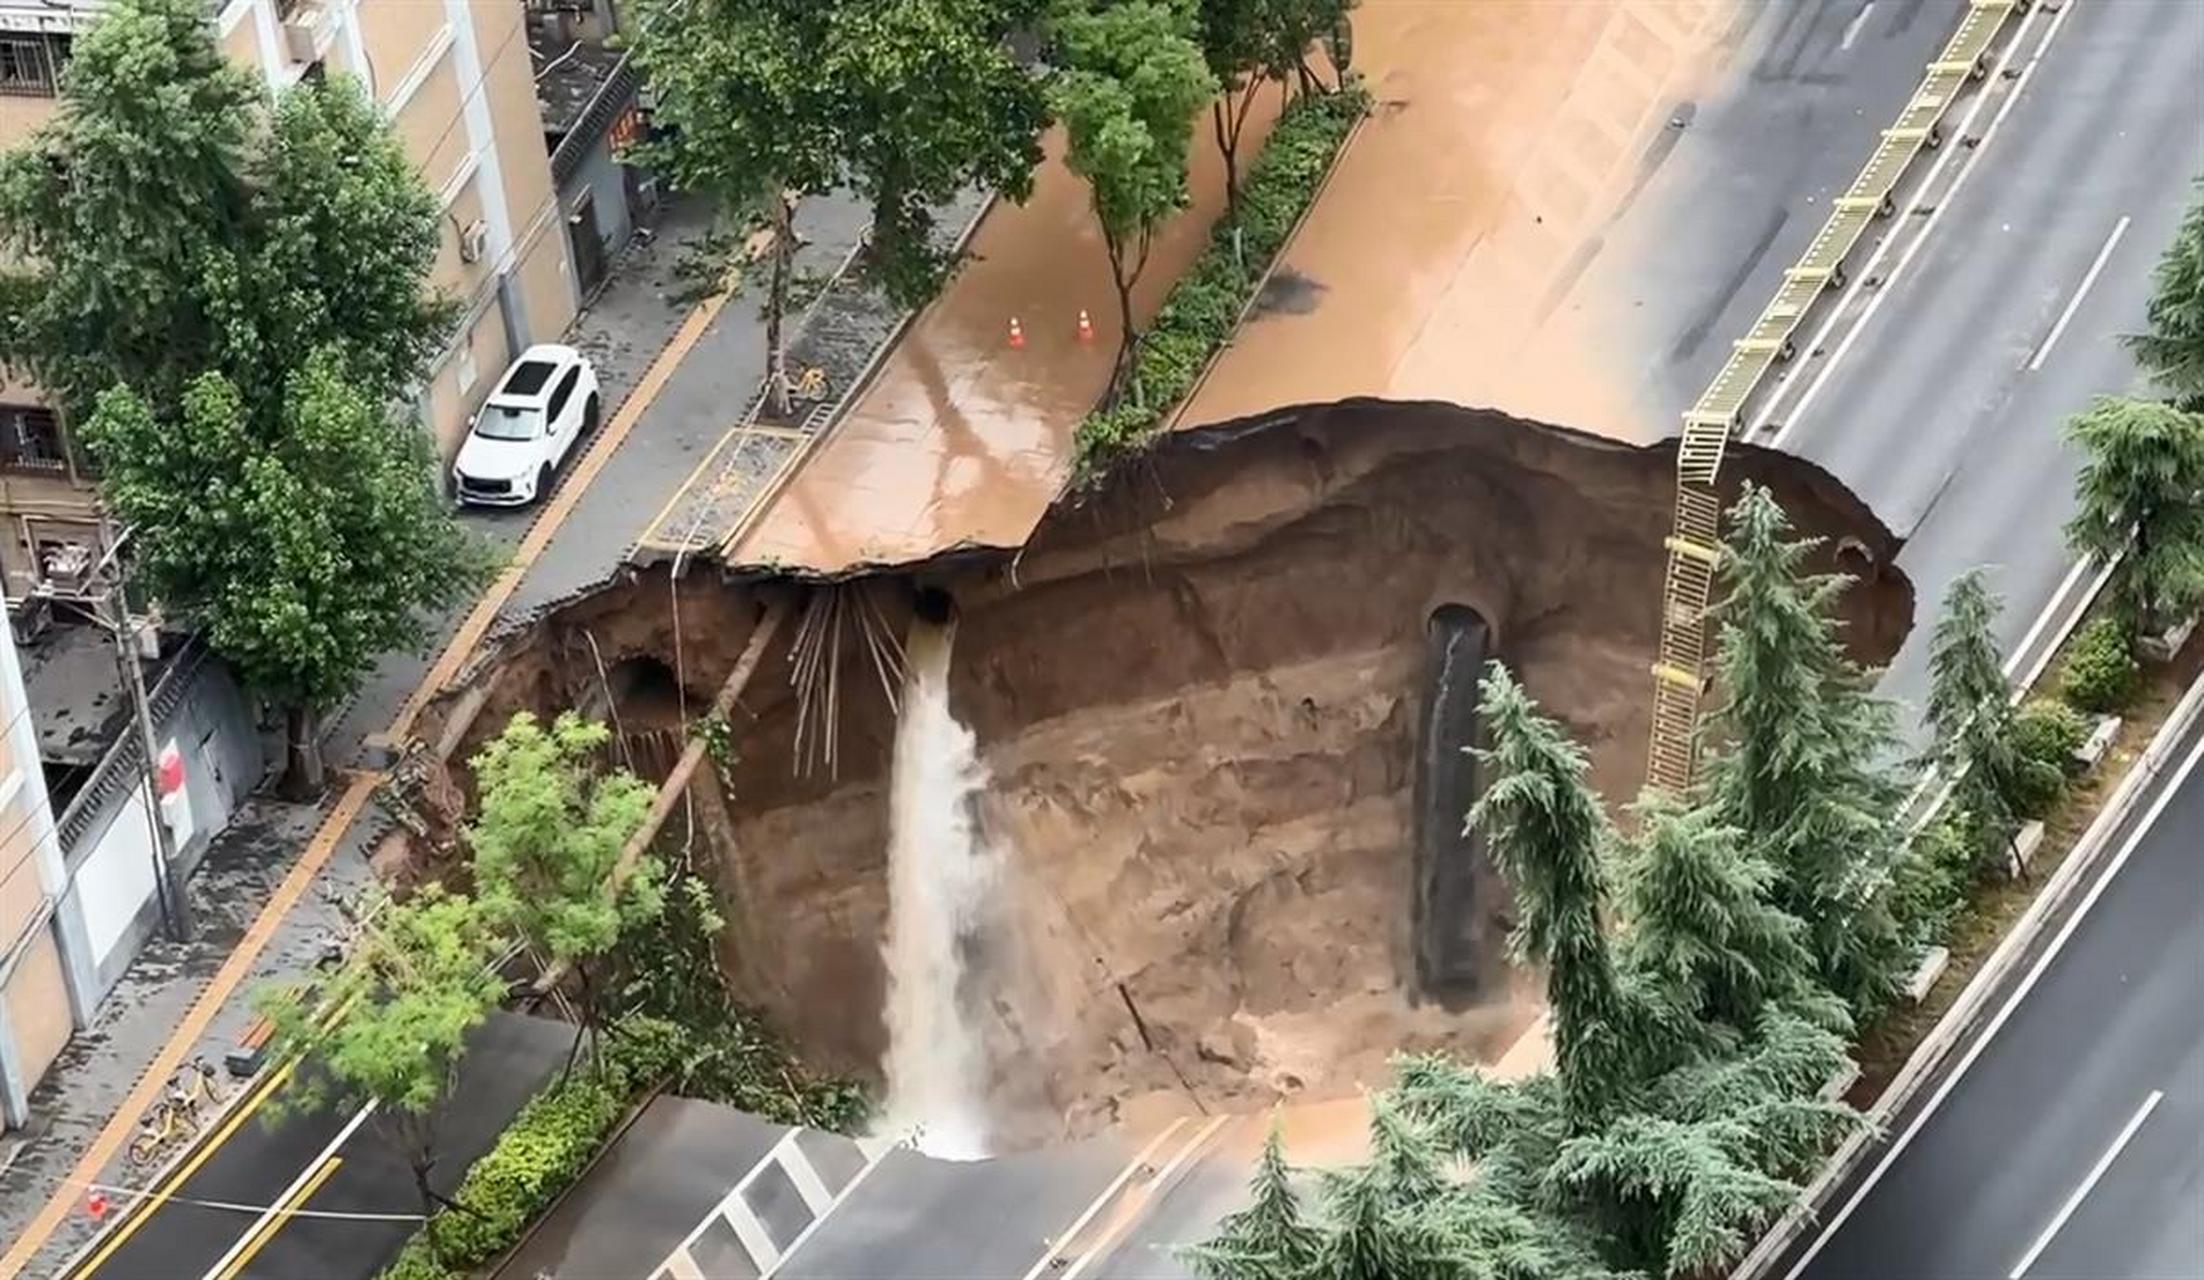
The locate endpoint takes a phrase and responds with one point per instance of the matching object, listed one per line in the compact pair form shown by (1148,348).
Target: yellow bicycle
(177,1117)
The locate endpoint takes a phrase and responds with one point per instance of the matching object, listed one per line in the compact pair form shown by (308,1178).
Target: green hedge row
(541,1153)
(1205,304)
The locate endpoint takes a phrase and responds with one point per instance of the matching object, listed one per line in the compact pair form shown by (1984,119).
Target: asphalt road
(1941,415)
(1732,198)
(186,1239)
(2110,1040)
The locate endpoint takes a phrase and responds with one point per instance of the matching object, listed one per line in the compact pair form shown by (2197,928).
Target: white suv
(545,402)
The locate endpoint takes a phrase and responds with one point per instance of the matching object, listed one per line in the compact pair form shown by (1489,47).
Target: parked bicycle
(176,1117)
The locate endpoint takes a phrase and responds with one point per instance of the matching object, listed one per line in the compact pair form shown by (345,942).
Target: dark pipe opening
(1452,942)
(934,605)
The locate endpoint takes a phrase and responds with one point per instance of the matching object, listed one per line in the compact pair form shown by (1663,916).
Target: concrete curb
(2074,873)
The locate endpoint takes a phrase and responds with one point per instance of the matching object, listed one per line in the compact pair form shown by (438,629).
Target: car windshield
(504,422)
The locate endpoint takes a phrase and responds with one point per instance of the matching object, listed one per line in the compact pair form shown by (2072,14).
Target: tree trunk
(776,303)
(1122,370)
(1228,147)
(427,1197)
(2144,596)
(302,771)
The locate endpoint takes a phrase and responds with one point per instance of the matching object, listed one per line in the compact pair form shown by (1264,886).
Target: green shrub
(2046,734)
(538,1156)
(1206,302)
(2100,673)
(1929,884)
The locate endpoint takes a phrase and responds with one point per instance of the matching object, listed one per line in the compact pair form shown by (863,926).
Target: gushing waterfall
(940,876)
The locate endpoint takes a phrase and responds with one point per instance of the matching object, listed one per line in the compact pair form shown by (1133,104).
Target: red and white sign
(175,799)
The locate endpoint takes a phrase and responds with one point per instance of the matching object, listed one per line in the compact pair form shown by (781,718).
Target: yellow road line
(265,1230)
(554,513)
(146,1206)
(235,968)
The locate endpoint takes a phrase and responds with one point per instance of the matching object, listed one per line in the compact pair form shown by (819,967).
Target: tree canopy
(1131,78)
(165,223)
(1803,756)
(548,832)
(303,548)
(228,296)
(2171,350)
(2142,467)
(420,982)
(927,100)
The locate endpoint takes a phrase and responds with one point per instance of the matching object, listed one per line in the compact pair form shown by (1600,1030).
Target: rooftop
(568,74)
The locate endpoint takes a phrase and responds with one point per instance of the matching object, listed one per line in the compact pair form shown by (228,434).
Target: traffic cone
(1017,334)
(96,1205)
(1086,326)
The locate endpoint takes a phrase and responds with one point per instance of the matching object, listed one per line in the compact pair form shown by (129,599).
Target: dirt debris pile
(1196,694)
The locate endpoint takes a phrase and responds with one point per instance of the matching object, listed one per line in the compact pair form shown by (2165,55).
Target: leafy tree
(390,1026)
(165,225)
(1267,1240)
(166,229)
(1801,766)
(547,834)
(1132,77)
(120,212)
(345,237)
(747,118)
(1252,43)
(2142,467)
(303,548)
(1972,720)
(929,100)
(1546,833)
(2173,348)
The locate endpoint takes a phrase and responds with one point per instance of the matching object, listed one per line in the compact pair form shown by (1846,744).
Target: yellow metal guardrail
(1679,672)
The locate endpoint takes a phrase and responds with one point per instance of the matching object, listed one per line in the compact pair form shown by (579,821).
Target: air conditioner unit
(306,33)
(474,240)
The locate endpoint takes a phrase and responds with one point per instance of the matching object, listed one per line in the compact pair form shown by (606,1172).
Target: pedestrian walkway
(964,437)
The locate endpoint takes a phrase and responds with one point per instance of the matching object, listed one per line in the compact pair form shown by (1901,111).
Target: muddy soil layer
(1198,692)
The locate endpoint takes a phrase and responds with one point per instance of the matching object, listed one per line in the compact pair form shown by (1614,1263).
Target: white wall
(116,881)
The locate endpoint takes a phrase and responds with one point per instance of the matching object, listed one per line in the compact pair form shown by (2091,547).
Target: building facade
(48,984)
(457,80)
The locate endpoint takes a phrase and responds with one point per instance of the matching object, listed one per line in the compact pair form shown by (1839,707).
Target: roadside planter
(2025,845)
(1932,966)
(2162,647)
(2092,751)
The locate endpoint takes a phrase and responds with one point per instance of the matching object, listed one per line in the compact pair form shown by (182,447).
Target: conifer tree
(1802,751)
(1971,716)
(1547,833)
(2136,505)
(1701,928)
(1269,1239)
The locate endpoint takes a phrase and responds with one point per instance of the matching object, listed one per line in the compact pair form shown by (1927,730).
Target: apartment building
(457,79)
(47,982)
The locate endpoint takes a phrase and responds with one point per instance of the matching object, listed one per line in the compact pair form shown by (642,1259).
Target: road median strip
(2076,872)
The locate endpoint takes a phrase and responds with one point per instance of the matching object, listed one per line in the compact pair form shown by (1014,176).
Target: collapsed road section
(1202,701)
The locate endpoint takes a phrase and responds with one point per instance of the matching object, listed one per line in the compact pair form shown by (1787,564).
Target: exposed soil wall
(1198,692)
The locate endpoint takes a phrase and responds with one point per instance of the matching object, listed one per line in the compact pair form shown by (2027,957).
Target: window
(29,64)
(527,378)
(508,422)
(30,439)
(564,393)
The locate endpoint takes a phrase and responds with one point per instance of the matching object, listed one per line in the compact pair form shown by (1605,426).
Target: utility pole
(104,591)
